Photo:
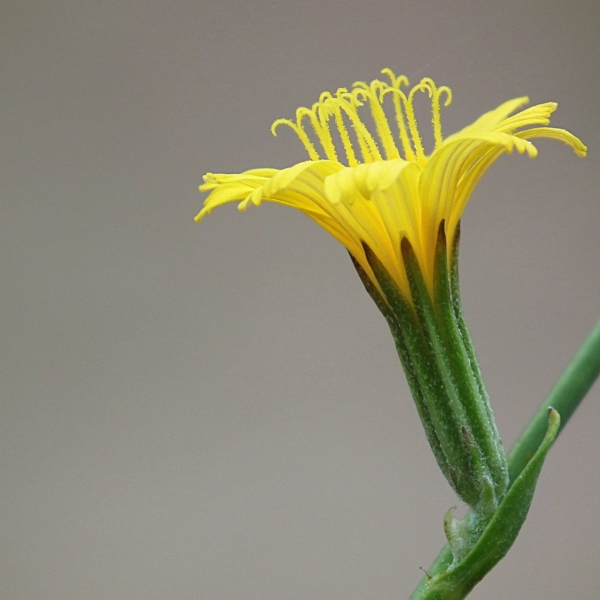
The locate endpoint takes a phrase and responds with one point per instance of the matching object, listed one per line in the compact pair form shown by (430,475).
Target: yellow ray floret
(386,187)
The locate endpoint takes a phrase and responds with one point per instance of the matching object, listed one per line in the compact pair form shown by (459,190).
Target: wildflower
(378,194)
(397,210)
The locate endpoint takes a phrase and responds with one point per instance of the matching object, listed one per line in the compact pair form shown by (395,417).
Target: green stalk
(464,367)
(565,397)
(407,364)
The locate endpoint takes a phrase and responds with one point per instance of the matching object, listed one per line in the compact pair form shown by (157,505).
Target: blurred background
(216,410)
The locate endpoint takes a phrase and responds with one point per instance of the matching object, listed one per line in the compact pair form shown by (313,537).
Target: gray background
(216,411)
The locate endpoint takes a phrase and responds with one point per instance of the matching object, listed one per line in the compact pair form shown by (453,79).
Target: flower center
(343,109)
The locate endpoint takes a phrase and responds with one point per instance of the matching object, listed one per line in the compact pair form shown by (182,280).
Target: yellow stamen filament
(396,84)
(379,201)
(343,107)
(435,94)
(319,109)
(412,124)
(368,146)
(369,93)
(345,137)
(299,131)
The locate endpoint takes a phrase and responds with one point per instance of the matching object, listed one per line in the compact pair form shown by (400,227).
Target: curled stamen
(334,108)
(397,82)
(348,102)
(299,131)
(399,99)
(412,122)
(370,94)
(320,121)
(435,94)
(343,107)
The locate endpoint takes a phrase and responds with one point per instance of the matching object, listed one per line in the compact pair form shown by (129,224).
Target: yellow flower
(383,191)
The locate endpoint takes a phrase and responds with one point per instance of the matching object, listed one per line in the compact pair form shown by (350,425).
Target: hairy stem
(565,397)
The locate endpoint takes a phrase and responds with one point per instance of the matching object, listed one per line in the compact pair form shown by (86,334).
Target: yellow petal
(380,202)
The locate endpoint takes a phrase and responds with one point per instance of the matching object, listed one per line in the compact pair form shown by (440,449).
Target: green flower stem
(464,365)
(565,397)
(499,465)
(407,364)
(499,534)
(445,381)
(437,399)
(418,365)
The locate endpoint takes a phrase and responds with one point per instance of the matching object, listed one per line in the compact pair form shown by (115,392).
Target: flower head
(397,210)
(372,191)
